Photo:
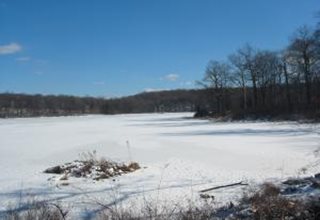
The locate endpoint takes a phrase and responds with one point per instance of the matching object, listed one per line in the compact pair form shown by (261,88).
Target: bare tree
(240,75)
(217,78)
(303,55)
(248,54)
(268,75)
(284,64)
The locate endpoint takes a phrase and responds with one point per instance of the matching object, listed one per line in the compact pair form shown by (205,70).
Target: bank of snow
(182,156)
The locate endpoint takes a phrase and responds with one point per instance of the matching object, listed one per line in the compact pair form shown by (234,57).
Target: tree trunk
(285,71)
(307,77)
(255,92)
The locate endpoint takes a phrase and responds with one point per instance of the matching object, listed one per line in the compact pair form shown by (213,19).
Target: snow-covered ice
(181,155)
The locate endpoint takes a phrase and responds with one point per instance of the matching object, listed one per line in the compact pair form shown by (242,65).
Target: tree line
(268,83)
(23,105)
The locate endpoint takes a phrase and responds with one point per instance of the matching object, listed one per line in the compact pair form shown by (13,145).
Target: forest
(269,83)
(22,105)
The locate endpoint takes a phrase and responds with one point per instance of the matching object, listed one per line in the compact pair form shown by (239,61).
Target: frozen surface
(181,156)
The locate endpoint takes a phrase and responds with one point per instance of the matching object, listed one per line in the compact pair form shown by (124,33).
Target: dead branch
(224,186)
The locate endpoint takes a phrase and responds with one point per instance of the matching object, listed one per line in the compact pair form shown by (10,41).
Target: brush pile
(92,168)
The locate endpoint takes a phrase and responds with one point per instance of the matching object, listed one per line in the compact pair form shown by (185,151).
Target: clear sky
(121,47)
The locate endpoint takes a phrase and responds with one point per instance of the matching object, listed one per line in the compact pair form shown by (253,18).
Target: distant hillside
(160,101)
(23,105)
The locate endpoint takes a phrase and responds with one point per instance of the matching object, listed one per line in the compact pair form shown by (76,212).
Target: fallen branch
(224,186)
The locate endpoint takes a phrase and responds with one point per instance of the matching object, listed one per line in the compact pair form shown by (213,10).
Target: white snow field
(181,156)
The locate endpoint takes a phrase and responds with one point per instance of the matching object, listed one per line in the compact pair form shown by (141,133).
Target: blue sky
(115,47)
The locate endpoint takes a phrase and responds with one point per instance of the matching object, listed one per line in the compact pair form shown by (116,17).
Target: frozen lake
(181,155)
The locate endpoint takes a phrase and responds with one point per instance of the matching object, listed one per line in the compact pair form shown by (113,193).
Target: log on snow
(224,186)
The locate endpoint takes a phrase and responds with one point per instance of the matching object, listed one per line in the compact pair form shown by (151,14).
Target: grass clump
(92,167)
(36,211)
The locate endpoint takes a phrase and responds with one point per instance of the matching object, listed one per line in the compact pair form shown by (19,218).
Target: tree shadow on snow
(172,124)
(244,132)
(51,195)
(166,119)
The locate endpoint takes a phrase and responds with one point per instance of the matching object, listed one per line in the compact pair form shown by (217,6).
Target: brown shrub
(267,203)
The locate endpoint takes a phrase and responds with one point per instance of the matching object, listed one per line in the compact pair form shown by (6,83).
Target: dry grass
(90,166)
(269,204)
(36,211)
(264,204)
(152,211)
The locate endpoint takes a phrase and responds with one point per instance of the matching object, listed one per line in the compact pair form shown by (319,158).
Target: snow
(181,156)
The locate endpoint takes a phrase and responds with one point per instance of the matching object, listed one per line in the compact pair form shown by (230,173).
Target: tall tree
(268,75)
(303,54)
(240,75)
(248,54)
(284,65)
(217,78)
